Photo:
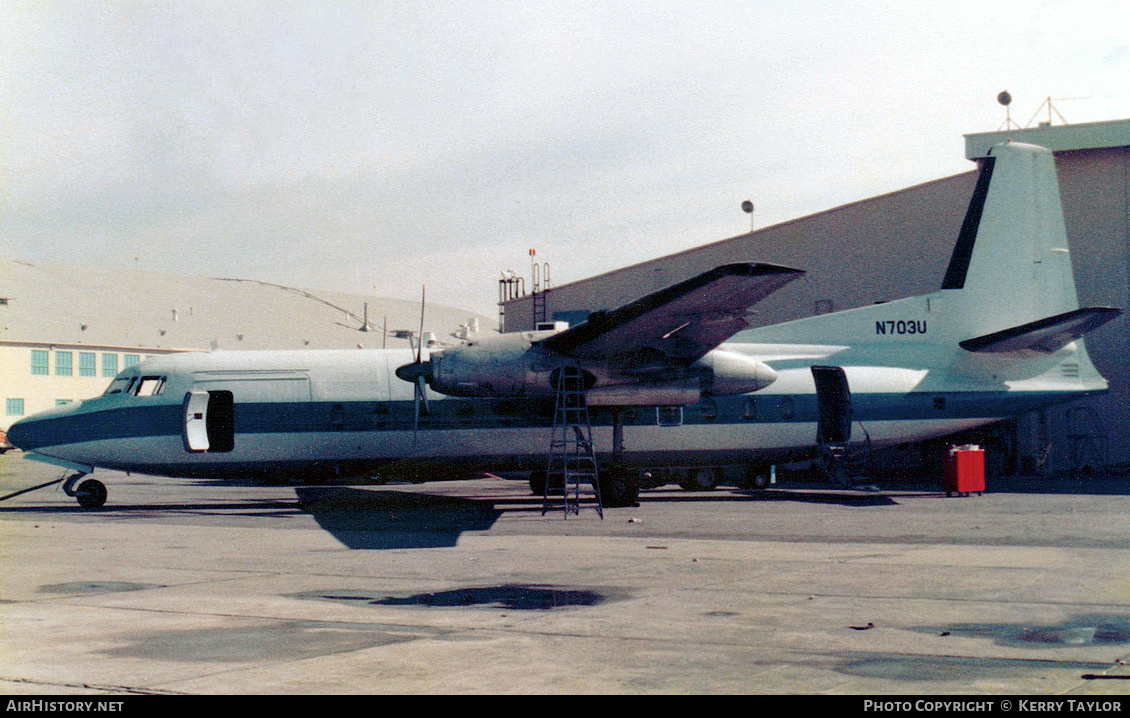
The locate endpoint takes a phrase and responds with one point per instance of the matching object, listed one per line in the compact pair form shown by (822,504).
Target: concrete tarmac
(197,587)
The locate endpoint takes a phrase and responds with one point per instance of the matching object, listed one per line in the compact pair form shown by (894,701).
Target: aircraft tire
(619,489)
(91,494)
(537,483)
(703,479)
(838,474)
(538,480)
(755,479)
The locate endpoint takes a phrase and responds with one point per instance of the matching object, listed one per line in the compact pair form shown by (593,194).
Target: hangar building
(898,245)
(65,331)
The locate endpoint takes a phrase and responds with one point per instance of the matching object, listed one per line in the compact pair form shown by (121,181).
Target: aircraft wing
(682,322)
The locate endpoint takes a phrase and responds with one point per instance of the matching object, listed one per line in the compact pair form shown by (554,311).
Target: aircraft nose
(39,430)
(22,434)
(26,434)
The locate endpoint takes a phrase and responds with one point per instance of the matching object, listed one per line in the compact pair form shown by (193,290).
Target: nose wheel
(90,493)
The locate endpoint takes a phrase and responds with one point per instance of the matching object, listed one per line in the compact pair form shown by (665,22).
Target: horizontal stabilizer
(1046,335)
(682,322)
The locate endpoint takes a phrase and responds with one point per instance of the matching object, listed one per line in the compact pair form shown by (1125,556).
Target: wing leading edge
(682,322)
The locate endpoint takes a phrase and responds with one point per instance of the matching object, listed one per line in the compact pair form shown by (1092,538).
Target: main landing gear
(619,488)
(91,493)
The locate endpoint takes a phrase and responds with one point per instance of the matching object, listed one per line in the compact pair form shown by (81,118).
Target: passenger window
(749,412)
(669,415)
(708,409)
(787,408)
(337,417)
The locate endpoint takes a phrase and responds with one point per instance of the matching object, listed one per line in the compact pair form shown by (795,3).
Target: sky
(380,147)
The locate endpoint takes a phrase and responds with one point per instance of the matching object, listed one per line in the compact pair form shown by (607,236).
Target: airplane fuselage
(310,413)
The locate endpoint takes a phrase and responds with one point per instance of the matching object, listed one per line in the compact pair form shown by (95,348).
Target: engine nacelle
(683,392)
(719,373)
(513,365)
(497,366)
(733,373)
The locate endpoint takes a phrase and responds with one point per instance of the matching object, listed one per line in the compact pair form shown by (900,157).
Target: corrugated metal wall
(898,245)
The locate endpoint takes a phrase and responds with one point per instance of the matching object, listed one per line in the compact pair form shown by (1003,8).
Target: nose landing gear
(91,493)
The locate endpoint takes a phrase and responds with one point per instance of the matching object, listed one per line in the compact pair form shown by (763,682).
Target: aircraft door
(209,421)
(833,405)
(196,421)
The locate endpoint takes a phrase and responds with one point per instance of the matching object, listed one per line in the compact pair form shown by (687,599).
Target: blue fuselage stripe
(142,419)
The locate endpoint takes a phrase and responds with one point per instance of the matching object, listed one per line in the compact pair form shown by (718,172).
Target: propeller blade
(419,396)
(417,373)
(422,389)
(420,336)
(416,410)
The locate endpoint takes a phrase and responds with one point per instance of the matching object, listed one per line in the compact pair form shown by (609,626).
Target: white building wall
(29,385)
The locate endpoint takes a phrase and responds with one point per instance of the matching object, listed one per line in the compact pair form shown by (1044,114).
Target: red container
(965,471)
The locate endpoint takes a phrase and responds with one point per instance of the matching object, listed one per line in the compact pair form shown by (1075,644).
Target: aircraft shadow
(368,519)
(358,518)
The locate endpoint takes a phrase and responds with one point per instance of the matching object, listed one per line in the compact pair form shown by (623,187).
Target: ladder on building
(539,307)
(572,459)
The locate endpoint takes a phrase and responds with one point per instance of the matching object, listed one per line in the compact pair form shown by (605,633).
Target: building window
(39,366)
(131,360)
(63,402)
(87,364)
(14,407)
(63,365)
(110,365)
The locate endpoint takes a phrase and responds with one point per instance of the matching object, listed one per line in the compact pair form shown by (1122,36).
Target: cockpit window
(136,386)
(150,386)
(121,385)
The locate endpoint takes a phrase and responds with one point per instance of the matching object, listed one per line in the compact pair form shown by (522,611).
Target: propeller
(418,372)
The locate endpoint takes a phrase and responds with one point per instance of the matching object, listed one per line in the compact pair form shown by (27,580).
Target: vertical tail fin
(1012,252)
(1009,286)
